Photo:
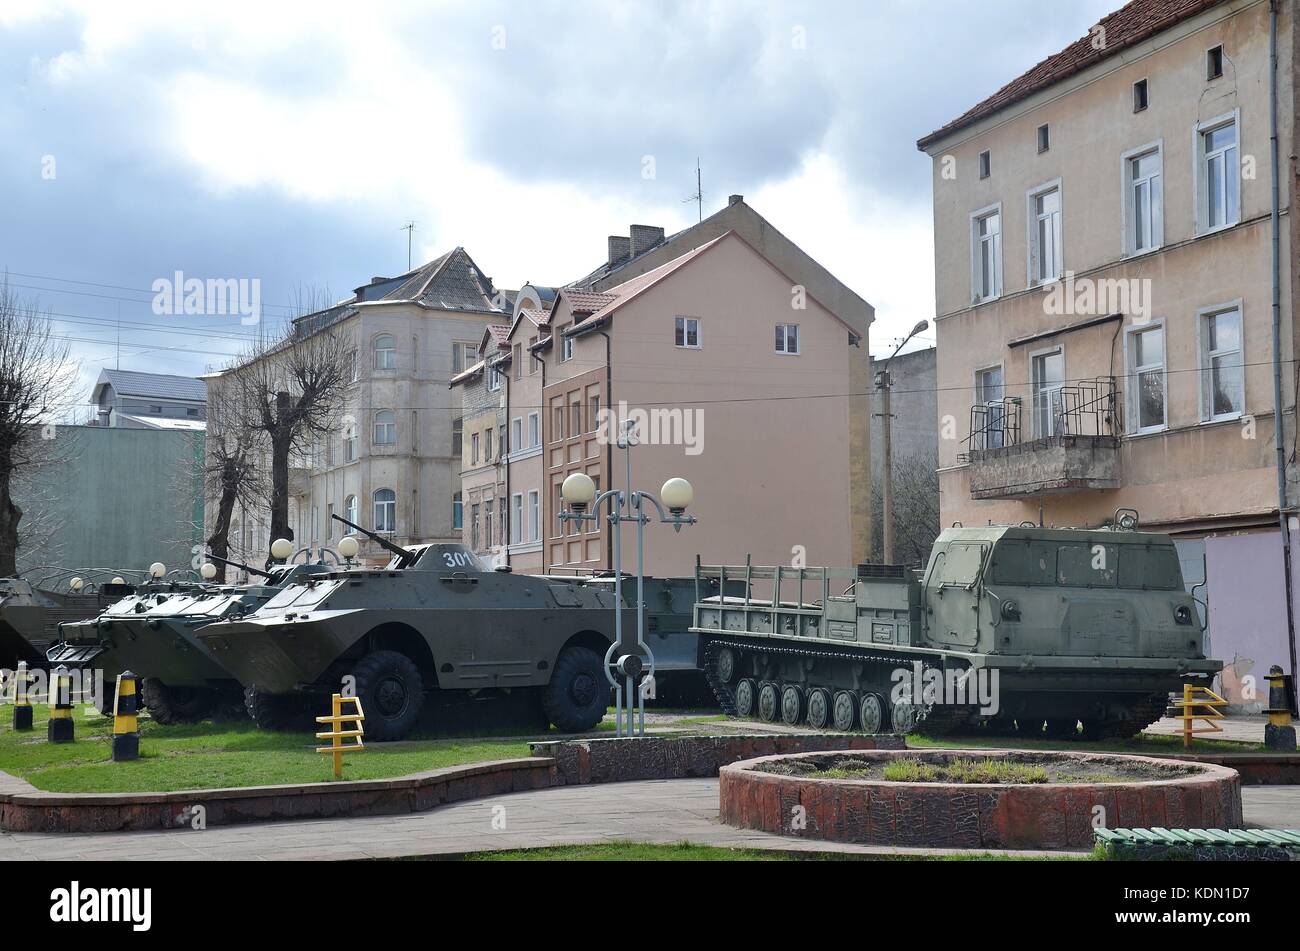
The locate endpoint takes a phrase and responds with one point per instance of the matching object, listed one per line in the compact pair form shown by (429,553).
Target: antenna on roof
(698,197)
(409,228)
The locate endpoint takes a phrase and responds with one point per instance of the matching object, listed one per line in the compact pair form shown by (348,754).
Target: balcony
(1081,450)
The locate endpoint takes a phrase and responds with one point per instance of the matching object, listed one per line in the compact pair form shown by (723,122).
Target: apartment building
(483,500)
(393,464)
(1104,235)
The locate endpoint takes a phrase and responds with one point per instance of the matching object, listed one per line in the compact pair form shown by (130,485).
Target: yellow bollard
(22,703)
(60,728)
(126,718)
(337,735)
(1279,734)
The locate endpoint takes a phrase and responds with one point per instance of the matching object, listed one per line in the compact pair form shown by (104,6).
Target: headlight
(1011,610)
(1183,614)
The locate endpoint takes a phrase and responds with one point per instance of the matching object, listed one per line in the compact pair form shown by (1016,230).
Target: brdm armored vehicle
(431,621)
(32,610)
(151,632)
(1023,629)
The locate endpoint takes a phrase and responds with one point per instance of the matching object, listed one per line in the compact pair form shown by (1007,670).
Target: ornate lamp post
(635,663)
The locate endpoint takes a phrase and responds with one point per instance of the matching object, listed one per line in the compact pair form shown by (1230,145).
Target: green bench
(1214,845)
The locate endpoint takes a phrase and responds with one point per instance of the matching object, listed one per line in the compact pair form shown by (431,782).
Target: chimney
(645,237)
(735,199)
(619,249)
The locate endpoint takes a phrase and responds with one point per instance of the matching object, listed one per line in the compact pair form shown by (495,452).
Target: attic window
(1139,95)
(1043,140)
(1214,62)
(986,164)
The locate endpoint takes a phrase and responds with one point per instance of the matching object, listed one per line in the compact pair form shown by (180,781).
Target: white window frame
(493,378)
(390,506)
(1033,406)
(516,434)
(1146,84)
(1200,165)
(1133,373)
(534,515)
(786,336)
(686,328)
(350,442)
(1127,204)
(1204,354)
(534,429)
(566,346)
(1032,251)
(389,361)
(387,427)
(979,397)
(352,506)
(517,519)
(976,257)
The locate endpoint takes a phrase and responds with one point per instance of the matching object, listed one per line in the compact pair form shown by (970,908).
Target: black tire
(168,705)
(577,695)
(819,708)
(391,692)
(1062,728)
(746,698)
(276,712)
(792,705)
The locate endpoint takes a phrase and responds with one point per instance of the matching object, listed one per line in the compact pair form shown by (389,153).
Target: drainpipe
(505,461)
(1279,428)
(609,443)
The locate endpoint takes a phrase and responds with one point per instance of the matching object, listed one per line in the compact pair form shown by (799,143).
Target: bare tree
(916,508)
(230,468)
(36,378)
(290,390)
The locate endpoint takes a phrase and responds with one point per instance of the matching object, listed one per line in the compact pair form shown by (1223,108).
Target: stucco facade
(1103,286)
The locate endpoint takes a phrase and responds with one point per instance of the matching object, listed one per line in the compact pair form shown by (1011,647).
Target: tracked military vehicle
(31,612)
(1022,629)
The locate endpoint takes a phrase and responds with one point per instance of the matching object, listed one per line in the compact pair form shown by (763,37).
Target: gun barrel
(235,564)
(383,542)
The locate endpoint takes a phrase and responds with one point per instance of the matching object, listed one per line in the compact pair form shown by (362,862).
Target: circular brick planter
(966,815)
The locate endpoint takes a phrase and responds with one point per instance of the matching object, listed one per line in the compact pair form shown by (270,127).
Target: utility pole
(885,383)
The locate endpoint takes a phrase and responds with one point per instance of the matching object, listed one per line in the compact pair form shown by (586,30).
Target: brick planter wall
(622,759)
(1031,816)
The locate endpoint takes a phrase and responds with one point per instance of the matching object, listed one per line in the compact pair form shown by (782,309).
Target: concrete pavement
(664,811)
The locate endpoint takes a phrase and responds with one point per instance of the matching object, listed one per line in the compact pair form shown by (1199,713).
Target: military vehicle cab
(1036,628)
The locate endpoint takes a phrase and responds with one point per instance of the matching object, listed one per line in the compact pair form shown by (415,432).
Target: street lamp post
(884,383)
(634,663)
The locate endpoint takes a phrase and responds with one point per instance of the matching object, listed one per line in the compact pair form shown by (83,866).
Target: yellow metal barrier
(1193,699)
(337,734)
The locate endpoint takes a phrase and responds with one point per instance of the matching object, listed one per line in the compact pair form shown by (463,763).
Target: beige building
(1103,248)
(393,464)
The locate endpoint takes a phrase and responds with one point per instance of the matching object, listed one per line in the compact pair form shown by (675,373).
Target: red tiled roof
(499,332)
(586,302)
(1125,27)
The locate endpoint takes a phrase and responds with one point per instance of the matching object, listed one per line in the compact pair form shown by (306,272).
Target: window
(487,445)
(516,434)
(557,422)
(534,430)
(329,521)
(534,515)
(1146,352)
(463,356)
(1044,141)
(385,511)
(473,449)
(1140,100)
(457,435)
(593,411)
(592,526)
(355,366)
(1218,175)
(494,377)
(575,411)
(473,527)
(502,448)
(351,512)
(989,392)
(787,338)
(1214,62)
(533,362)
(986,242)
(986,164)
(155,410)
(385,428)
(1048,378)
(350,442)
(191,411)
(566,346)
(516,361)
(687,333)
(385,352)
(315,522)
(1223,393)
(487,522)
(457,510)
(1045,235)
(517,521)
(1143,201)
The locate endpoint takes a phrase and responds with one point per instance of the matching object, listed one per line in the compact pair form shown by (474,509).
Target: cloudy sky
(290,142)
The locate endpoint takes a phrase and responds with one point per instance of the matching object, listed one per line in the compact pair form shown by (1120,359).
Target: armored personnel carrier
(1022,629)
(31,612)
(432,621)
(152,633)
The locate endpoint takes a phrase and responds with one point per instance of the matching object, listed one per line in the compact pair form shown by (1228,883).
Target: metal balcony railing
(1083,408)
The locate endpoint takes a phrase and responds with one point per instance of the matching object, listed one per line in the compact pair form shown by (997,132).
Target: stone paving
(663,811)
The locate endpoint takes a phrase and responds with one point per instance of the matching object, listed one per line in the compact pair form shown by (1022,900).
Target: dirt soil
(1014,768)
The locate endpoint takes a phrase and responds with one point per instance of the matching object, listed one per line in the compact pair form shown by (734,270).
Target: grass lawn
(209,755)
(687,852)
(1145,744)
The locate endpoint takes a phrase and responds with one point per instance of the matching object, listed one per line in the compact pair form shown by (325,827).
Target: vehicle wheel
(769,703)
(577,695)
(905,716)
(272,711)
(745,698)
(872,710)
(1061,728)
(726,665)
(819,708)
(391,692)
(844,712)
(791,704)
(1029,726)
(167,705)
